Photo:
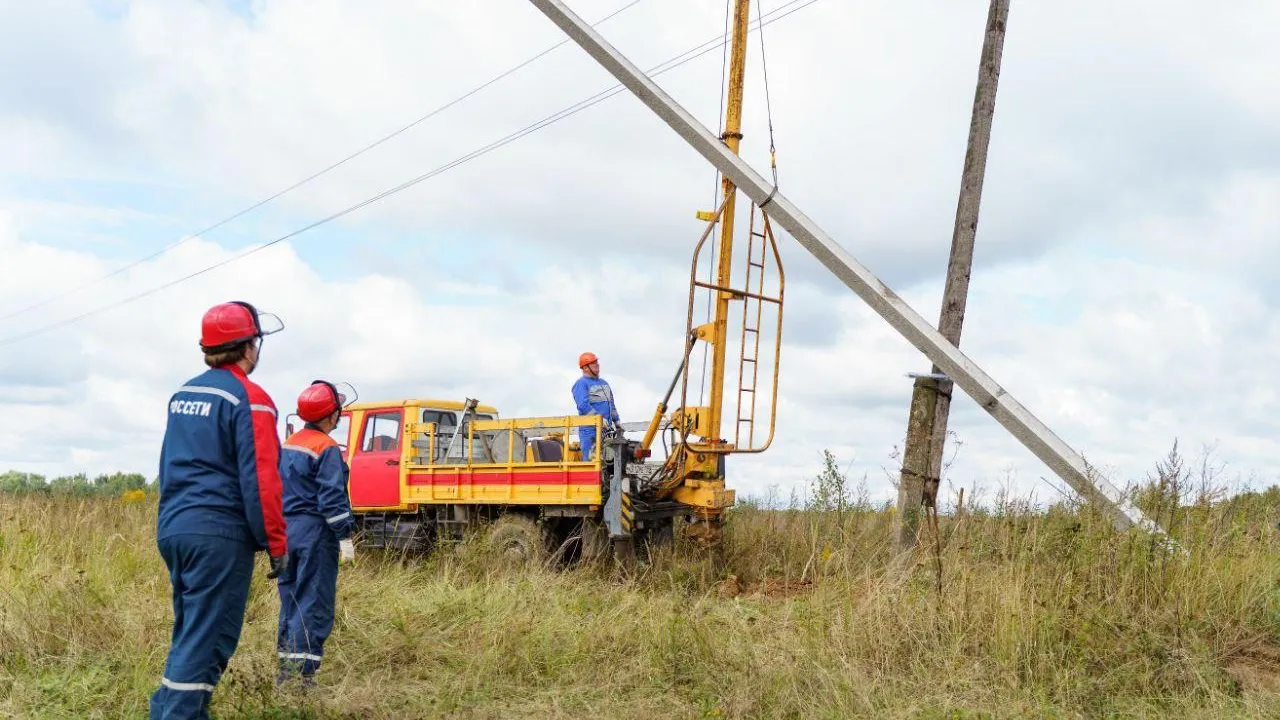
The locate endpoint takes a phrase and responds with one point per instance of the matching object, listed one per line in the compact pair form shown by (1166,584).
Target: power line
(599,97)
(311,177)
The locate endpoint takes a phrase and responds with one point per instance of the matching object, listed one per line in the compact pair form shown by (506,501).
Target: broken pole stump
(915,480)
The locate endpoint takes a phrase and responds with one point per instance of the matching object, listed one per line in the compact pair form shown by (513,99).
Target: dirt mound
(1256,667)
(732,587)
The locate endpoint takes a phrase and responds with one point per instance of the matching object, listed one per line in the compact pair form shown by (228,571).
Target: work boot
(290,670)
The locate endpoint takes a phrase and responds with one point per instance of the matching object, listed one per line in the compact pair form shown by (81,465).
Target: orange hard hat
(586,359)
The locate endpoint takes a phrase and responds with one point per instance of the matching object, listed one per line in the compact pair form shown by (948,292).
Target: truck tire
(595,541)
(516,540)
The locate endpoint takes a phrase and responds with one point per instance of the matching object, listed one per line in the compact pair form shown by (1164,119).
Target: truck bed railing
(534,441)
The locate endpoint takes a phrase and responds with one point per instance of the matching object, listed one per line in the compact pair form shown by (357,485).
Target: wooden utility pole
(927,429)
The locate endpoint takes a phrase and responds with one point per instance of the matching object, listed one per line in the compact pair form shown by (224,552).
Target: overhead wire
(313,176)
(768,107)
(663,67)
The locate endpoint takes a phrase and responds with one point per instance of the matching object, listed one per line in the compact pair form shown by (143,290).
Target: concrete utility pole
(931,396)
(1018,420)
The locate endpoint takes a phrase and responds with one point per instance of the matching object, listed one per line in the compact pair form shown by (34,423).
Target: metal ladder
(749,348)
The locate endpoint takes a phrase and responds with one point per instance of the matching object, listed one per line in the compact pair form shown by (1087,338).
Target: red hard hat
(586,359)
(229,323)
(320,400)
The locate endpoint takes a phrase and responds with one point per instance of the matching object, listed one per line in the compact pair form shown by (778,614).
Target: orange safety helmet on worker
(318,510)
(593,396)
(220,503)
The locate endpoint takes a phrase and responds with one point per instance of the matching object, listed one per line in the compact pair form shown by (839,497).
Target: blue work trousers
(587,441)
(308,593)
(210,577)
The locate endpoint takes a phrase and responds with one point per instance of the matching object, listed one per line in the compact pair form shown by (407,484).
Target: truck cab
(373,439)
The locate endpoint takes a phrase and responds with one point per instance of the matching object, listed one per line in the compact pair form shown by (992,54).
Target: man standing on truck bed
(318,510)
(593,396)
(219,504)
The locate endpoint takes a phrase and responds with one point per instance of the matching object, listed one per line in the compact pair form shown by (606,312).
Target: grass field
(803,613)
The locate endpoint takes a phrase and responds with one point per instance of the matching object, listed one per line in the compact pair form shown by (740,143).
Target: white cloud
(1138,366)
(1123,289)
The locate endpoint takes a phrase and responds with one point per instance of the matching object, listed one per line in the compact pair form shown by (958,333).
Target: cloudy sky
(1123,287)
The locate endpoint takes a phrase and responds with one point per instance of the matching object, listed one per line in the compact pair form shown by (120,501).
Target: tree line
(115,484)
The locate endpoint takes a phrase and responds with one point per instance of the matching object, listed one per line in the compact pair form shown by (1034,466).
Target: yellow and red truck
(424,469)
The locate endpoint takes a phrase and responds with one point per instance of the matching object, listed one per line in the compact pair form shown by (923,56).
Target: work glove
(279,563)
(346,550)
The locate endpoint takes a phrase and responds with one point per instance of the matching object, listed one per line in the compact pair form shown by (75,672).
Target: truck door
(375,466)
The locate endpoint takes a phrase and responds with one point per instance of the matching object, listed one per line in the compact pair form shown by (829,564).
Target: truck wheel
(595,540)
(517,540)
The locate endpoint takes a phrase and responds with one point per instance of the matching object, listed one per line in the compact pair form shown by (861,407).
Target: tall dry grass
(804,612)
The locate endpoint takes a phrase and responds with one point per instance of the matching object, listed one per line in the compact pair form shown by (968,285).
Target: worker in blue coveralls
(593,396)
(318,510)
(220,503)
